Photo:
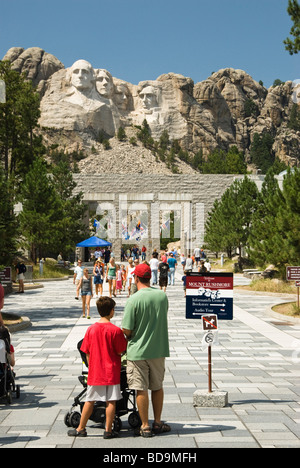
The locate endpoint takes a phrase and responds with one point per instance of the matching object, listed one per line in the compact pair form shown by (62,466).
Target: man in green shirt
(145,323)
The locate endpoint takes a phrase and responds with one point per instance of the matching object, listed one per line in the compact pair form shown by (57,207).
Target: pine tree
(288,221)
(72,209)
(8,225)
(261,151)
(276,223)
(235,161)
(264,239)
(216,228)
(228,225)
(293,46)
(244,195)
(19,145)
(42,211)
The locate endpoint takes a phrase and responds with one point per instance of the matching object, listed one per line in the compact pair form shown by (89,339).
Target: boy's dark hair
(105,305)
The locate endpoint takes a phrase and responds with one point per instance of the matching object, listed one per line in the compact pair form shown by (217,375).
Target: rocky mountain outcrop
(226,109)
(35,63)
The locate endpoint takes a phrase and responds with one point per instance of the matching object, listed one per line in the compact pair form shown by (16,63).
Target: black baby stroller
(124,406)
(7,376)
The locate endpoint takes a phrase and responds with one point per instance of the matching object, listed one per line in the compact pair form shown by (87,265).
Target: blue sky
(139,40)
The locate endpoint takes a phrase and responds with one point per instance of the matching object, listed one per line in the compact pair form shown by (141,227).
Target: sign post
(209,297)
(293,274)
(209,324)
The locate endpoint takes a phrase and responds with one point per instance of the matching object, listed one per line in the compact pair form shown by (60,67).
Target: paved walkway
(256,362)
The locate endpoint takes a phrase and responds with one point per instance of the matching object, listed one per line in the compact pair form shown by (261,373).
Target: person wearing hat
(145,324)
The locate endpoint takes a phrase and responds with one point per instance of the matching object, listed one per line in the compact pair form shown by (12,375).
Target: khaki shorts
(146,375)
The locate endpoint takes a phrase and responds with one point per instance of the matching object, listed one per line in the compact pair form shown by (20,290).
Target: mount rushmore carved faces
(149,97)
(104,83)
(82,76)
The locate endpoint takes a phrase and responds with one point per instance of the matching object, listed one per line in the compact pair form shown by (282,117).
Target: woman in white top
(154,268)
(129,276)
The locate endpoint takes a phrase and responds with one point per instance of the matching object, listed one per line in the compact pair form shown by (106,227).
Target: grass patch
(289,309)
(11,319)
(271,285)
(50,270)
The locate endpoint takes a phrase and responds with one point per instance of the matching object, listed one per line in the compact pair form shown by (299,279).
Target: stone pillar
(155,232)
(186,228)
(117,232)
(199,225)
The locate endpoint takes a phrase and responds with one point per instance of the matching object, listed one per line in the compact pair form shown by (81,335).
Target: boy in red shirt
(103,345)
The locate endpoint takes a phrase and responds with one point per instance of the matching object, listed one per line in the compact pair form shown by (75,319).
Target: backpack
(22,268)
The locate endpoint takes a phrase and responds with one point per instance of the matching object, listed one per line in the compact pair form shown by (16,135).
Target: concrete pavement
(257,362)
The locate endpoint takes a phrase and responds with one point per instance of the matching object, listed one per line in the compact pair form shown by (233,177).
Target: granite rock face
(37,64)
(226,109)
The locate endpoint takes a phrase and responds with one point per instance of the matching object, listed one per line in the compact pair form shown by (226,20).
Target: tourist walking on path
(154,262)
(78,274)
(133,287)
(202,268)
(129,269)
(197,254)
(119,281)
(207,265)
(163,269)
(144,250)
(86,285)
(103,345)
(172,262)
(21,270)
(189,264)
(98,273)
(145,324)
(111,274)
(183,261)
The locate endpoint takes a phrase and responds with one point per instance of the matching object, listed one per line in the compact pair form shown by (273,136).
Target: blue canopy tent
(94,241)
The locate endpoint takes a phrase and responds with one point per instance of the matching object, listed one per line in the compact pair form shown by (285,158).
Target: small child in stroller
(7,361)
(103,345)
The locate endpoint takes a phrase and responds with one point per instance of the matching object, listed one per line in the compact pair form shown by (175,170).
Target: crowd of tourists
(120,277)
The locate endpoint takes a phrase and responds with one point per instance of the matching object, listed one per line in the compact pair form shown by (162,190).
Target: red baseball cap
(142,271)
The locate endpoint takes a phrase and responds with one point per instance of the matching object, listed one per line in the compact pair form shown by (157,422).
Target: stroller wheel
(74,419)
(66,420)
(134,419)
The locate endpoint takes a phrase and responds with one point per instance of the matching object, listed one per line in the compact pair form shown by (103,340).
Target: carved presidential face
(149,97)
(104,83)
(121,96)
(82,75)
